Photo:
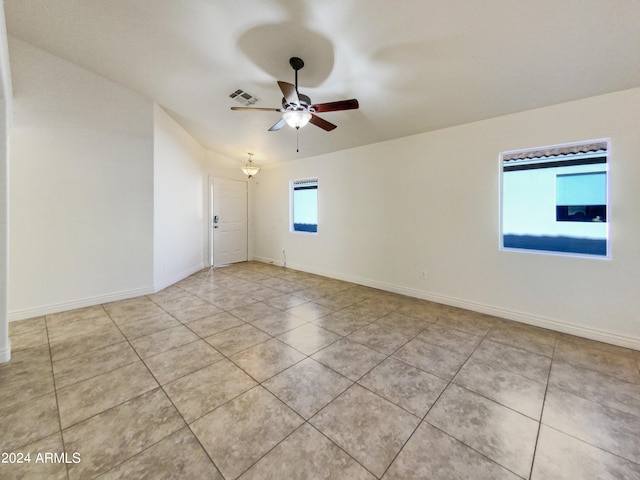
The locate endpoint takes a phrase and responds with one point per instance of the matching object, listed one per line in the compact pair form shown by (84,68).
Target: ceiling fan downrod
(297,64)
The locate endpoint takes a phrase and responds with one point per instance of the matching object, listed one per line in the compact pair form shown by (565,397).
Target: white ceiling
(414,65)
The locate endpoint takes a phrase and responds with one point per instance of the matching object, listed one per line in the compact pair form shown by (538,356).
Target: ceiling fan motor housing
(304,104)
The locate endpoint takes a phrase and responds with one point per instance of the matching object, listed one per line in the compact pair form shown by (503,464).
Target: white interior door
(228,222)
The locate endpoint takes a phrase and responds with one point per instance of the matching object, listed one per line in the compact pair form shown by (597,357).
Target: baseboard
(165,282)
(100,299)
(5,353)
(78,303)
(276,262)
(522,317)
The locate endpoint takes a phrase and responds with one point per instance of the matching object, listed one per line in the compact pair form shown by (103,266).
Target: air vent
(244,98)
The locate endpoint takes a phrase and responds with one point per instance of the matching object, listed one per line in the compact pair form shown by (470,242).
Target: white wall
(5,344)
(429,203)
(6,119)
(182,169)
(109,194)
(81,201)
(82,206)
(178,202)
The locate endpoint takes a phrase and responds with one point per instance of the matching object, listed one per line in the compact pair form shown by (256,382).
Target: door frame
(210,225)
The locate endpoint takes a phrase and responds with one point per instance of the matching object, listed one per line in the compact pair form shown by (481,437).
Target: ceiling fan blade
(335,106)
(322,123)
(289,92)
(259,109)
(278,125)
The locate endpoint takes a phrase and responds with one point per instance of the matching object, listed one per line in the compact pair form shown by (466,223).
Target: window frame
(551,148)
(292,189)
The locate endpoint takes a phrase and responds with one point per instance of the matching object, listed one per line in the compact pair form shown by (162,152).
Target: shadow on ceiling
(270,46)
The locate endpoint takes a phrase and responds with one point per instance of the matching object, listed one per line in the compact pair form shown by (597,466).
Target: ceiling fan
(297,109)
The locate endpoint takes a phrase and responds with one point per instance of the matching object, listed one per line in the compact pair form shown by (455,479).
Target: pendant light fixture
(250,169)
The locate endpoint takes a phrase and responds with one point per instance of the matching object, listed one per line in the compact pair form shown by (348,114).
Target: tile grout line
(544,401)
(307,421)
(485,337)
(338,446)
(258,384)
(423,419)
(125,338)
(55,391)
(161,387)
(121,403)
(387,356)
(356,382)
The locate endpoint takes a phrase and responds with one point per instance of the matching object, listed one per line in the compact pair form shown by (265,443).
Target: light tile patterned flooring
(258,372)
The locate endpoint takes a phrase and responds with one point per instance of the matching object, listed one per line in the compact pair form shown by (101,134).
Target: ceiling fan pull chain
(297,140)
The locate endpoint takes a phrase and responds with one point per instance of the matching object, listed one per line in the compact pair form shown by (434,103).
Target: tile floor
(258,372)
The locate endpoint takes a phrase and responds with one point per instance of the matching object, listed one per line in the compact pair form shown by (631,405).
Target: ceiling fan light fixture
(250,169)
(296,118)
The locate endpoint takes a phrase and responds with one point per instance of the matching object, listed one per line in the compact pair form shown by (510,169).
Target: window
(304,206)
(581,197)
(554,199)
